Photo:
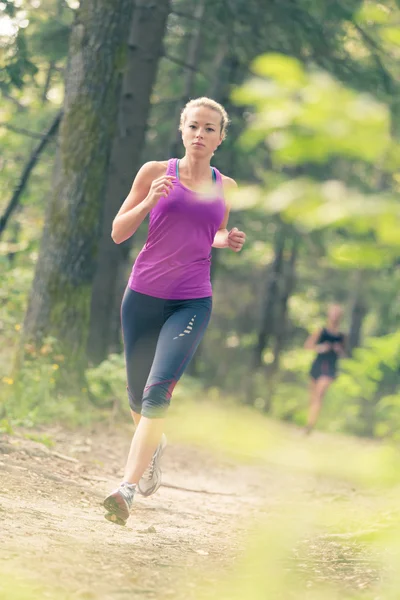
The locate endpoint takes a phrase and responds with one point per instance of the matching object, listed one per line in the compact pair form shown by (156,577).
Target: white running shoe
(151,478)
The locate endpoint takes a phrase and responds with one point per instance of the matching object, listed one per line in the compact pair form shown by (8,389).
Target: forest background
(90,93)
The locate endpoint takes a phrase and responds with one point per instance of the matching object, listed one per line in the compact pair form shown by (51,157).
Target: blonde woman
(167,303)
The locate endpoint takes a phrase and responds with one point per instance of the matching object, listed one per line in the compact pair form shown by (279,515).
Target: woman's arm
(311,343)
(233,239)
(341,347)
(140,200)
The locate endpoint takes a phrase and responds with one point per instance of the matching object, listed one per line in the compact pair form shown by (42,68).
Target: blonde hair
(208,103)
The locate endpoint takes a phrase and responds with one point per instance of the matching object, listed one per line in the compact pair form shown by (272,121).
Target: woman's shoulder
(228,182)
(154,168)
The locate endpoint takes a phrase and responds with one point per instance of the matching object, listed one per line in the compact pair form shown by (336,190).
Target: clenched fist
(236,239)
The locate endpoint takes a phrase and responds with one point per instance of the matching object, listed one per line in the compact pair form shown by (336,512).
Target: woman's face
(201,132)
(335,313)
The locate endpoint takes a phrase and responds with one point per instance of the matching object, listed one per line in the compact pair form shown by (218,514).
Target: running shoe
(151,478)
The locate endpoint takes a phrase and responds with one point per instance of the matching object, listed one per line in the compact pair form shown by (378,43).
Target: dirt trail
(53,534)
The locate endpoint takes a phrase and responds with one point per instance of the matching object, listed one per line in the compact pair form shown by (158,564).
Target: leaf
(373,13)
(391,34)
(244,198)
(353,255)
(286,70)
(387,229)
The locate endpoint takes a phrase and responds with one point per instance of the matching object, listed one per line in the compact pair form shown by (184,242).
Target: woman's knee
(156,399)
(134,403)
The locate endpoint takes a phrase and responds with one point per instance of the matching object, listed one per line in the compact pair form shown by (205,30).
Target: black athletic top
(325,362)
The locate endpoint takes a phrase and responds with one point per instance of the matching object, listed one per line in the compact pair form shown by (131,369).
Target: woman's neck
(194,169)
(332,326)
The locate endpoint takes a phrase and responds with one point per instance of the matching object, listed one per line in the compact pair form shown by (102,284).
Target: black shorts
(323,368)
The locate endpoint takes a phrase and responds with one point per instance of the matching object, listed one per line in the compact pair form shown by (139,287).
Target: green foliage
(41,439)
(107,382)
(319,147)
(369,406)
(33,396)
(310,116)
(15,64)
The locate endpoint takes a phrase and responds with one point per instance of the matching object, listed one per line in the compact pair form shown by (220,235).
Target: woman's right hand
(159,187)
(324,347)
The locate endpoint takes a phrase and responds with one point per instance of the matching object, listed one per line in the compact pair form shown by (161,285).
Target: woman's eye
(209,129)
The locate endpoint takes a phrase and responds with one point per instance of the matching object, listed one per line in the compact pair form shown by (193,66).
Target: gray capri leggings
(160,338)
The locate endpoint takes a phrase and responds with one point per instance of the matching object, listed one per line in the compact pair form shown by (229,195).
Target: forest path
(55,541)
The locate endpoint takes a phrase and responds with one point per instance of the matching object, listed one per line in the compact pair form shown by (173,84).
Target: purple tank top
(174,263)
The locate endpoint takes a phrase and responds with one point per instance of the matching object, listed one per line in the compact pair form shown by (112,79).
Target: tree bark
(267,311)
(358,313)
(60,297)
(144,51)
(47,83)
(218,82)
(288,286)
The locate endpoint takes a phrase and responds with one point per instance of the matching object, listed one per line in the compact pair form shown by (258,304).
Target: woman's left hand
(339,349)
(236,239)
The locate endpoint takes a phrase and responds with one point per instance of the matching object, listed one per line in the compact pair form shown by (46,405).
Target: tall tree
(358,312)
(60,298)
(286,290)
(145,48)
(274,273)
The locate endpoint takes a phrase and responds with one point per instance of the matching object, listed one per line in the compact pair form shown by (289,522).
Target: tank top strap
(171,168)
(218,176)
(218,180)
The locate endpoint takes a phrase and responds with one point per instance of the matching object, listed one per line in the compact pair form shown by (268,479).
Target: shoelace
(127,493)
(148,474)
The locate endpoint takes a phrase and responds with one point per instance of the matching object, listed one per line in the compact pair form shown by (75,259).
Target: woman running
(167,303)
(329,343)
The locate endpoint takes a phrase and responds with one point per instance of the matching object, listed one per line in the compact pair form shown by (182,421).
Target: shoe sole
(116,507)
(147,494)
(114,519)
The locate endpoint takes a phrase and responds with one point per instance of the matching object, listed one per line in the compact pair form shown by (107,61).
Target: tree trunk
(218,83)
(192,61)
(52,64)
(47,83)
(144,51)
(280,328)
(267,311)
(358,313)
(59,303)
(282,311)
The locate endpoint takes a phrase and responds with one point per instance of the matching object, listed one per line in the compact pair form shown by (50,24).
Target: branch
(27,171)
(8,96)
(185,489)
(375,49)
(163,101)
(22,131)
(180,62)
(177,13)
